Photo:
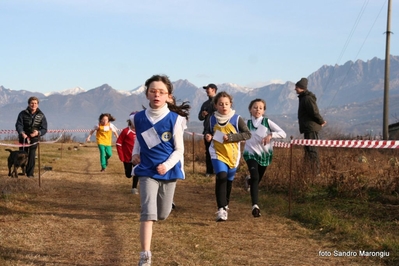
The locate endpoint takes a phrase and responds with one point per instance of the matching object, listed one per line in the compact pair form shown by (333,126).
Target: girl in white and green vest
(258,150)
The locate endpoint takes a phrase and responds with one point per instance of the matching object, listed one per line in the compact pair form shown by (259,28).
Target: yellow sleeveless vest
(104,135)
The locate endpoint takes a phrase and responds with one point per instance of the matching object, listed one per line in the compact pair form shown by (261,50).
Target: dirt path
(84,217)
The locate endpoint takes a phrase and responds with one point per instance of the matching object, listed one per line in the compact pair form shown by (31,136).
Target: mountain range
(350,98)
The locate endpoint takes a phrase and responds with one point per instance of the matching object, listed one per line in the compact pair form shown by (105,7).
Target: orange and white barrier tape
(193,133)
(281,144)
(376,144)
(10,131)
(31,144)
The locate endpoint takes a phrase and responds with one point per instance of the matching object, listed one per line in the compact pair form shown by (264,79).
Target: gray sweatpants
(156,197)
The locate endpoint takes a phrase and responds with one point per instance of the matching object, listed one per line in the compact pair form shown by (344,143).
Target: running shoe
(221,215)
(255,211)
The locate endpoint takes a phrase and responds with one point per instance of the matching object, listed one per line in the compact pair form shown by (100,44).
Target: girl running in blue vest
(258,150)
(225,131)
(158,156)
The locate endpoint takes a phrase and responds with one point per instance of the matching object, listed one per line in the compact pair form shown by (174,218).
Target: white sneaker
(255,210)
(135,191)
(247,184)
(221,215)
(145,258)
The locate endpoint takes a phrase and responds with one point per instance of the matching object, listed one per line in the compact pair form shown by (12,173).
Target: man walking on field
(310,122)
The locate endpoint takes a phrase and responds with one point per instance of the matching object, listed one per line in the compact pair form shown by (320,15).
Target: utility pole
(385,131)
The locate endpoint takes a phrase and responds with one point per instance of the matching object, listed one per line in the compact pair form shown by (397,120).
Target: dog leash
(26,141)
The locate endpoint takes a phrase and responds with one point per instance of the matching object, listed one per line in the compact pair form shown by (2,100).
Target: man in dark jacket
(31,125)
(310,122)
(207,109)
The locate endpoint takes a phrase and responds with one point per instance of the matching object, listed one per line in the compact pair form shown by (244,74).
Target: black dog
(17,159)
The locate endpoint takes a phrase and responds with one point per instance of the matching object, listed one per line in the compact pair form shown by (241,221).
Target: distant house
(393,131)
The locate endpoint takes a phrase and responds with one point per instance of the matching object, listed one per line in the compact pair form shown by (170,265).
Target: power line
(352,31)
(361,12)
(347,42)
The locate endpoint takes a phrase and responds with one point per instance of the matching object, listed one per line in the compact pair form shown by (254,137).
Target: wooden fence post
(38,158)
(193,153)
(290,182)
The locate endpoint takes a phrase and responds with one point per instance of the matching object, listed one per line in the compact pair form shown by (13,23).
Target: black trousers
(31,150)
(208,161)
(223,189)
(311,153)
(128,173)
(256,172)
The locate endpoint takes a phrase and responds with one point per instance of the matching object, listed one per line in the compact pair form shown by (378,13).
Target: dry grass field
(79,216)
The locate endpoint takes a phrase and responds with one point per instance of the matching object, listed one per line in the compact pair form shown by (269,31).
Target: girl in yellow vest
(104,129)
(225,130)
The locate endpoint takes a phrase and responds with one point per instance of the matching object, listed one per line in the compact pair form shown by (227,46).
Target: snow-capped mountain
(232,88)
(138,90)
(349,97)
(72,91)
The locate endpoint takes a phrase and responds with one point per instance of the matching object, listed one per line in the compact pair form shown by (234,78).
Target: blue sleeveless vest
(150,158)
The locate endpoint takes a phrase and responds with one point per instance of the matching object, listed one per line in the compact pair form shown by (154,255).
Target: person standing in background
(310,122)
(104,129)
(31,125)
(207,109)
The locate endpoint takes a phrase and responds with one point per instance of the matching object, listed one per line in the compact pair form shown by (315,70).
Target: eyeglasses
(161,92)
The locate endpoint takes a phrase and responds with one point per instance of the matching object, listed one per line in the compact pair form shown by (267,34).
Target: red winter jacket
(125,143)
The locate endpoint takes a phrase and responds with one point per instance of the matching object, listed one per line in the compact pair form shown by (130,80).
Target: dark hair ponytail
(183,109)
(110,117)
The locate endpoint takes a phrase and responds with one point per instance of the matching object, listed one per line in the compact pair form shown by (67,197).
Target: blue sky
(54,45)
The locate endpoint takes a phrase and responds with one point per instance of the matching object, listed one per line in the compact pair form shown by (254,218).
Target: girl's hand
(135,159)
(161,169)
(208,137)
(225,138)
(266,140)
